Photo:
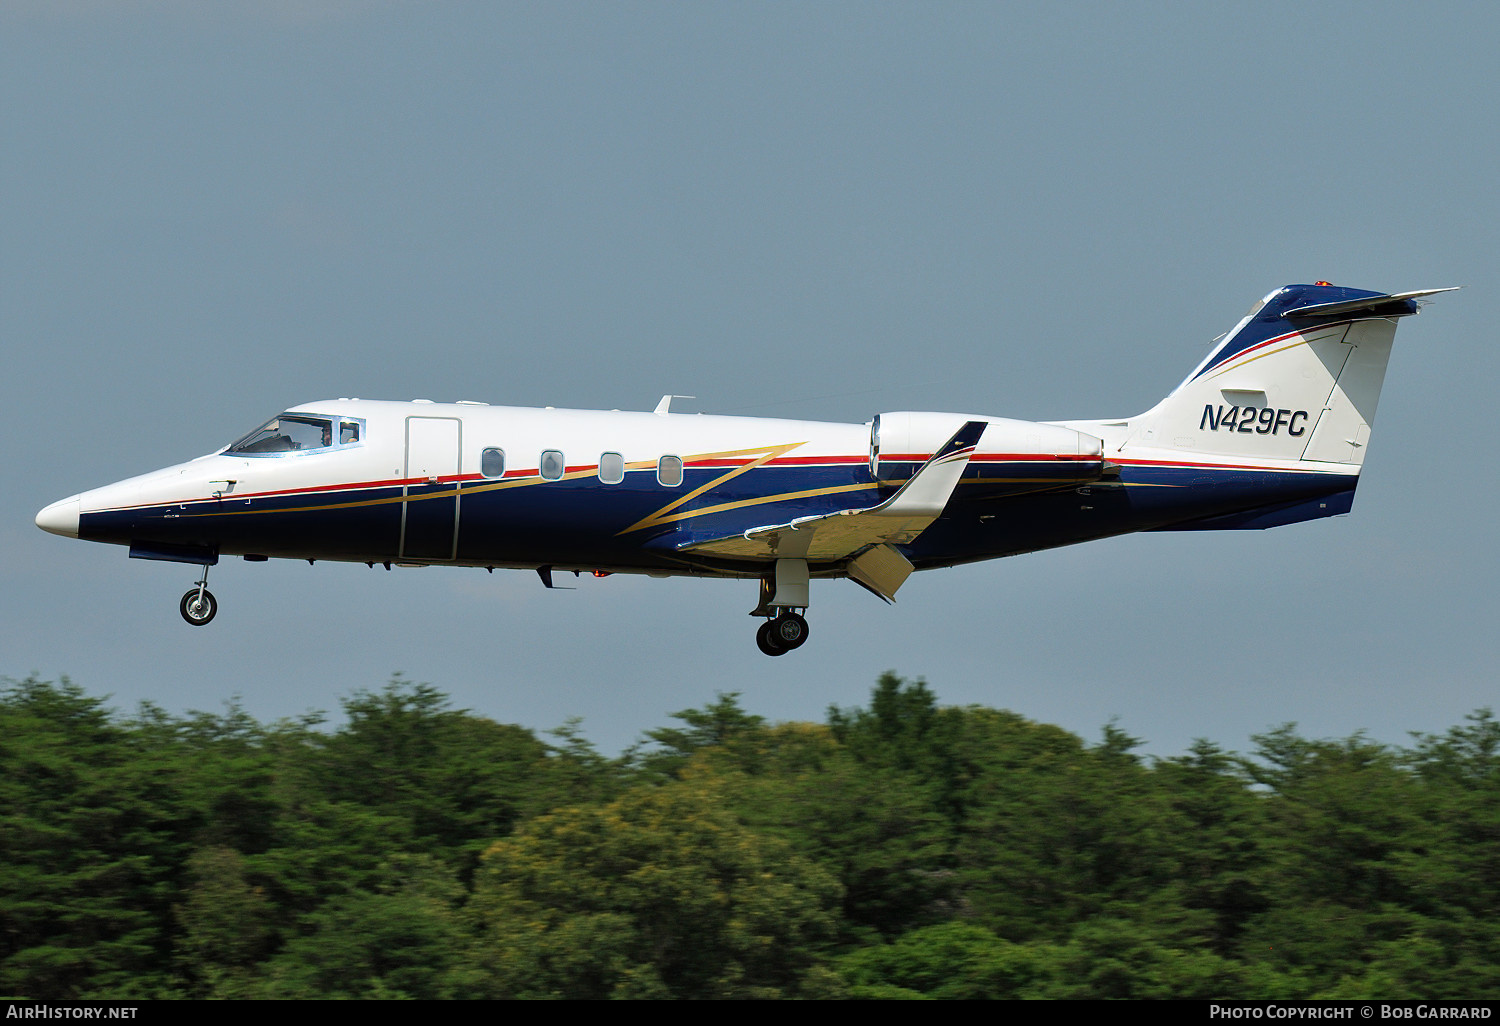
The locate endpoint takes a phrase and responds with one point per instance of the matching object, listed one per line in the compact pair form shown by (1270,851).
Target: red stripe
(1271,341)
(1182,464)
(790,461)
(392,483)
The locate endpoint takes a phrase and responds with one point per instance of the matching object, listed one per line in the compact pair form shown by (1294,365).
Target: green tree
(721,724)
(902,729)
(448,778)
(1218,828)
(87,832)
(1346,847)
(1050,831)
(875,828)
(954,960)
(225,924)
(403,939)
(662,892)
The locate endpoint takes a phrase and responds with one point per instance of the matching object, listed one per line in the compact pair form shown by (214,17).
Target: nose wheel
(198,606)
(782,633)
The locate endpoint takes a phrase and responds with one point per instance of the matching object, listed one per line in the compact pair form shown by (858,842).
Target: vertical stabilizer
(1297,379)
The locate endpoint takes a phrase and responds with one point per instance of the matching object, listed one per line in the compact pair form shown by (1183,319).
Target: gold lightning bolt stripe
(760,500)
(763,456)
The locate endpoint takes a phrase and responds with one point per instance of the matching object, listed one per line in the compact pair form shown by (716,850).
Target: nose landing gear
(198,606)
(782,633)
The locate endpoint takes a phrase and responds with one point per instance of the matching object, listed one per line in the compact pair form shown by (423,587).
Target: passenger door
(429,515)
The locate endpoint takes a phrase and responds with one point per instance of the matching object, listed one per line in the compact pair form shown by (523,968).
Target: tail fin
(1297,379)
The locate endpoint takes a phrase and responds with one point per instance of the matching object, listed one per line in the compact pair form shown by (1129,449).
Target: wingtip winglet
(966,437)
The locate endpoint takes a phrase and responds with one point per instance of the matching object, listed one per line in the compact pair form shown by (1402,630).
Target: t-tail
(1297,380)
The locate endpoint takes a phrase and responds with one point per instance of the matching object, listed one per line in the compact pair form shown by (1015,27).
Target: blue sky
(209,213)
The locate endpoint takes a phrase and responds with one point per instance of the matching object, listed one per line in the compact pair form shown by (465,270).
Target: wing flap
(882,570)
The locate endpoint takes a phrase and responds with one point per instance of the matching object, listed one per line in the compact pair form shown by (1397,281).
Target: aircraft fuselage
(412,488)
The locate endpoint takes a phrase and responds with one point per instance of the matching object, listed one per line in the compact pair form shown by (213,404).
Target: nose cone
(60,518)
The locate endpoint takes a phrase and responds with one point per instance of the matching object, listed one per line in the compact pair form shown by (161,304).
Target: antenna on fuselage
(665,406)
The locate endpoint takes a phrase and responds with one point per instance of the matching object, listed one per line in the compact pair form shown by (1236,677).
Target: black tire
(789,630)
(766,639)
(198,613)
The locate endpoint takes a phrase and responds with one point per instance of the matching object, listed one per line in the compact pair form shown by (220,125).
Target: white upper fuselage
(613,482)
(381,456)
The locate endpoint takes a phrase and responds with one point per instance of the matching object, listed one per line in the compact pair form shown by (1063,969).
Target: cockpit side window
(298,432)
(285,434)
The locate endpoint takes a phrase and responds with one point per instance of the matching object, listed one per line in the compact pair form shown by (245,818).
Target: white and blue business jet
(1269,429)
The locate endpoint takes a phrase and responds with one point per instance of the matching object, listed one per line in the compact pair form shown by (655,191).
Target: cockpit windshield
(298,432)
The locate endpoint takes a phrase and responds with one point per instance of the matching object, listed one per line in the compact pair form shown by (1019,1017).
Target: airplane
(1269,429)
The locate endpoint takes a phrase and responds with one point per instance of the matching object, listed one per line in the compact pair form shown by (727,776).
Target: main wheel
(199,607)
(790,630)
(766,638)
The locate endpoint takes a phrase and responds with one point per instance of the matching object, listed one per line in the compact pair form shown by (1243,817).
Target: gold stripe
(1040,482)
(1237,364)
(660,516)
(532,480)
(743,503)
(663,515)
(1233,365)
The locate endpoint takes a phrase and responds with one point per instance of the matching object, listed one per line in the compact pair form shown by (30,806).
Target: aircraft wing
(828,537)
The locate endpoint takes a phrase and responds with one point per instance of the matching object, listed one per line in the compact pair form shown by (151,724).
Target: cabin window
(492,463)
(611,468)
(552,465)
(669,471)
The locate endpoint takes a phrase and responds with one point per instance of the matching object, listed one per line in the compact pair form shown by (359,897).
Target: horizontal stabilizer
(1396,304)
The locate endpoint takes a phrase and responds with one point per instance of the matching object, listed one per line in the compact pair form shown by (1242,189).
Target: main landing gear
(782,633)
(198,606)
(783,600)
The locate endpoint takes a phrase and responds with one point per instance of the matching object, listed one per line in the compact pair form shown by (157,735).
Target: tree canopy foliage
(904,849)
